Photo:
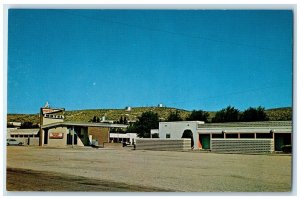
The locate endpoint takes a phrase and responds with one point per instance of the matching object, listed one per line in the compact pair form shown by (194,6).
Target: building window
(232,135)
(264,135)
(218,135)
(247,135)
(168,135)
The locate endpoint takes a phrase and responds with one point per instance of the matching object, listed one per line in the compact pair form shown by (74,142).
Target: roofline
(183,122)
(85,124)
(275,129)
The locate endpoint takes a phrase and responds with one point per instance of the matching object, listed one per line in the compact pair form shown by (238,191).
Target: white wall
(176,129)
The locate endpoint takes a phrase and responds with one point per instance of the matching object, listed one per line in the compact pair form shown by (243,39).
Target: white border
(146,4)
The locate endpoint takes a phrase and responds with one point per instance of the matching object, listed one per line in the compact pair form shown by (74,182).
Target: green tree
(147,121)
(229,114)
(199,115)
(121,120)
(26,125)
(95,119)
(174,116)
(125,121)
(254,114)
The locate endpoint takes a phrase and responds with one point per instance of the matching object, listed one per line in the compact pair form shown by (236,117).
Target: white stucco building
(174,130)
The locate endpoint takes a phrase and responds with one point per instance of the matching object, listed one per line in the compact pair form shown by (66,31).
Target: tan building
(55,131)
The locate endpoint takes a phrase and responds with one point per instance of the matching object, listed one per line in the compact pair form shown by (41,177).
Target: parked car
(13,142)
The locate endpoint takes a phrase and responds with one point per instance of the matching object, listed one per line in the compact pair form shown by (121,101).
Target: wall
(34,141)
(242,145)
(101,134)
(51,121)
(58,142)
(163,144)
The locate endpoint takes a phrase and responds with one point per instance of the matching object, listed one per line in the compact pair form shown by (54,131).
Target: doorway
(46,136)
(204,141)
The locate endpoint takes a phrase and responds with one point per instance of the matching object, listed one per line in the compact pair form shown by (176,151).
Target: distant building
(15,124)
(128,138)
(128,108)
(104,120)
(26,136)
(154,132)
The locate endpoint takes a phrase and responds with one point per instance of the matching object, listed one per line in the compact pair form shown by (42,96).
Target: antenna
(47,105)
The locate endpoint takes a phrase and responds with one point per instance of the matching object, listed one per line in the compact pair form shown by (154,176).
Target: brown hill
(277,114)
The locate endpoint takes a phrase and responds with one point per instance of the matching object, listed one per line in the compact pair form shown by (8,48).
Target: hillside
(115,114)
(277,114)
(280,114)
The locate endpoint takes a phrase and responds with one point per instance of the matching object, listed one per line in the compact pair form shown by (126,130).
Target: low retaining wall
(163,144)
(242,145)
(34,141)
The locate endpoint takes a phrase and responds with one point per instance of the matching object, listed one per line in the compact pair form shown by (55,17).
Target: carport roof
(249,124)
(83,124)
(247,127)
(18,131)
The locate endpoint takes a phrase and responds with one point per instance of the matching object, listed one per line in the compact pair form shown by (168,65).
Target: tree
(199,115)
(174,116)
(121,120)
(261,114)
(229,114)
(26,125)
(95,119)
(125,121)
(254,114)
(147,121)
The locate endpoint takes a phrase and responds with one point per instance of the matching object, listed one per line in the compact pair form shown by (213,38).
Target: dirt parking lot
(110,170)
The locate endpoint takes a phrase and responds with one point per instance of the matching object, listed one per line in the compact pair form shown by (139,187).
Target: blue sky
(189,59)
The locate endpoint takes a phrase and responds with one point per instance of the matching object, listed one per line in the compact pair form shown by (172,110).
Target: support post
(72,136)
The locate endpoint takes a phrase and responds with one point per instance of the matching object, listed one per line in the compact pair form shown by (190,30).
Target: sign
(49,110)
(56,135)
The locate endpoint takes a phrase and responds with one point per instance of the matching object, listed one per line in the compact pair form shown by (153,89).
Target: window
(247,135)
(232,135)
(218,135)
(168,135)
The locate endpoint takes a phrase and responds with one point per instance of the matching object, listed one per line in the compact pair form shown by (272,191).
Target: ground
(122,170)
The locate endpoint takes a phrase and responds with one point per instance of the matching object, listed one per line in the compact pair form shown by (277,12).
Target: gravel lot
(88,169)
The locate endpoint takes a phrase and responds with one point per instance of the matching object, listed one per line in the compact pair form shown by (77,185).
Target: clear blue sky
(189,59)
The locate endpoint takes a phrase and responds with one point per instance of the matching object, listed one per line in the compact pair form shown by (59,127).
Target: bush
(287,148)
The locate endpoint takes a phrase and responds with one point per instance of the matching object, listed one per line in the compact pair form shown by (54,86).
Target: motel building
(234,137)
(55,132)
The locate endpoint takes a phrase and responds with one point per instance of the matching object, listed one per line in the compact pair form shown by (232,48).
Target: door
(205,141)
(46,136)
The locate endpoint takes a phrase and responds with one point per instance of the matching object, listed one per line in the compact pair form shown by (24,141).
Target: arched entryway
(187,133)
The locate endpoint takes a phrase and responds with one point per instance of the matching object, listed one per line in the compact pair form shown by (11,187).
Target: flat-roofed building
(26,136)
(54,131)
(128,138)
(268,136)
